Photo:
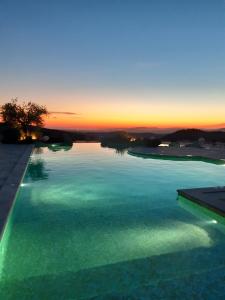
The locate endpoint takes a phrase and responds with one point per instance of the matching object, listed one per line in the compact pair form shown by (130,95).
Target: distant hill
(194,135)
(153,130)
(57,135)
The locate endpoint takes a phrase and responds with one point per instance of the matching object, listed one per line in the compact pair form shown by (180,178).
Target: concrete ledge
(212,198)
(214,155)
(11,184)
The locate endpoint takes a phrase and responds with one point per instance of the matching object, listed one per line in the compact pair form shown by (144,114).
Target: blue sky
(51,48)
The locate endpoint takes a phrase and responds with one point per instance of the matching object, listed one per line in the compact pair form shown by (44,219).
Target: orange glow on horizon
(105,109)
(113,123)
(111,110)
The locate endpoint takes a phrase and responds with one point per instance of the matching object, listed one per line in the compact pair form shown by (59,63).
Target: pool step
(212,198)
(174,274)
(182,287)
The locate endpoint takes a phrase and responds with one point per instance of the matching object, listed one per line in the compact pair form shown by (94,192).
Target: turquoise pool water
(89,223)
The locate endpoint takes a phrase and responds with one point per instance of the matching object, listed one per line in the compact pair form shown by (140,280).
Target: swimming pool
(89,223)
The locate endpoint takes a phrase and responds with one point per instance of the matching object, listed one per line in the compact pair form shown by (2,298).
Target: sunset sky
(116,64)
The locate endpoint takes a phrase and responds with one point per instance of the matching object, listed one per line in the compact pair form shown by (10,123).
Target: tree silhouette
(23,115)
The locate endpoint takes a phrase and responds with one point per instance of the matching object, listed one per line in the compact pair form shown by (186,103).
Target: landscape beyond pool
(90,223)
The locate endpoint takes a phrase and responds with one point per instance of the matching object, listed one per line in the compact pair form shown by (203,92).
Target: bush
(152,143)
(58,137)
(11,136)
(27,140)
(116,139)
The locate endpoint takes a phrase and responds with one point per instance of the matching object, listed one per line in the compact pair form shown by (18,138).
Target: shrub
(10,136)
(152,142)
(116,139)
(27,140)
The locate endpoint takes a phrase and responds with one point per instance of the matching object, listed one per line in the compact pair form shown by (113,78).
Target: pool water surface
(90,223)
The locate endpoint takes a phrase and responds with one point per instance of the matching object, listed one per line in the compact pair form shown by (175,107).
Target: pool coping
(209,197)
(216,161)
(11,186)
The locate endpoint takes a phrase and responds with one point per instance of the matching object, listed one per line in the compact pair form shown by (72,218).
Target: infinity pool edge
(11,186)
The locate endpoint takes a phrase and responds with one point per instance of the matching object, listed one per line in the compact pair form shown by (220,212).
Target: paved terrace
(13,162)
(213,153)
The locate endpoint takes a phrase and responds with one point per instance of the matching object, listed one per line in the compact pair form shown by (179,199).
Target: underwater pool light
(214,222)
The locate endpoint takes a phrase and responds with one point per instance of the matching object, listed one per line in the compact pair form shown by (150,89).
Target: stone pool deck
(213,153)
(212,198)
(13,163)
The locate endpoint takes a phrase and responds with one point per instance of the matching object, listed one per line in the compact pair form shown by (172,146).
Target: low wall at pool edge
(163,156)
(200,210)
(8,195)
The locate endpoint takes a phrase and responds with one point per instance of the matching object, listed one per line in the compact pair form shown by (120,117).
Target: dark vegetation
(63,136)
(152,142)
(195,135)
(117,139)
(10,135)
(18,119)
(121,140)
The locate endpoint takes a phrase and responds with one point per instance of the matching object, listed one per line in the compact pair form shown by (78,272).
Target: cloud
(63,113)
